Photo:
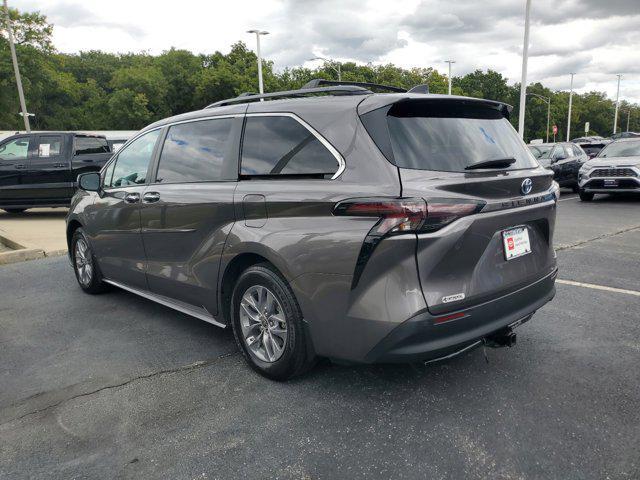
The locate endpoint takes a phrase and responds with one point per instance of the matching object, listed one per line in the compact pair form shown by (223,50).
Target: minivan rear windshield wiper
(495,163)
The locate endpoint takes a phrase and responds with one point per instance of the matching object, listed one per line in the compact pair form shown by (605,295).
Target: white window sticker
(44,150)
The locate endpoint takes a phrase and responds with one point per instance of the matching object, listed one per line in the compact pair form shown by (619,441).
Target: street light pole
(450,62)
(258,33)
(547,100)
(14,58)
(525,58)
(628,118)
(570,102)
(615,116)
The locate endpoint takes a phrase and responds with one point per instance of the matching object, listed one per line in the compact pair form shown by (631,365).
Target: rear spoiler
(375,102)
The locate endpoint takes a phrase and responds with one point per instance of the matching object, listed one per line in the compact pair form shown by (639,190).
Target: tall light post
(570,102)
(258,33)
(450,62)
(331,63)
(628,118)
(615,116)
(14,58)
(547,100)
(525,58)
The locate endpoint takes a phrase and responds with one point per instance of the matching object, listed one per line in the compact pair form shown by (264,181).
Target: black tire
(296,357)
(584,196)
(14,210)
(575,189)
(94,284)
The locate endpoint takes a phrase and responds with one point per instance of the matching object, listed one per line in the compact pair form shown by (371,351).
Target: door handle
(132,198)
(59,165)
(151,197)
(20,166)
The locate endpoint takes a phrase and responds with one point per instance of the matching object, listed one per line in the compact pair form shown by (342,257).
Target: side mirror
(89,182)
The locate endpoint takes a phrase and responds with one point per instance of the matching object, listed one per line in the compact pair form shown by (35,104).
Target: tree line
(94,90)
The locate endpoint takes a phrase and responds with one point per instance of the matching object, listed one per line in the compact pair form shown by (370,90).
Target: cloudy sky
(594,38)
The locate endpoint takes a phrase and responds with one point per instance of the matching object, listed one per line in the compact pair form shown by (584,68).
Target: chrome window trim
(143,132)
(314,132)
(336,154)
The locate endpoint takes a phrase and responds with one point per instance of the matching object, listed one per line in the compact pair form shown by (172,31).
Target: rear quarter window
(280,145)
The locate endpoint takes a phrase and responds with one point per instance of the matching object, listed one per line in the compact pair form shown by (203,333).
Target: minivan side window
(280,145)
(107,174)
(133,162)
(87,145)
(194,151)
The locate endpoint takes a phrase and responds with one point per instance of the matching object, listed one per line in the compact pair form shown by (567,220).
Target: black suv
(329,221)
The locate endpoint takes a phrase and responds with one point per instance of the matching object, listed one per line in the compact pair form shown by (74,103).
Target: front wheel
(267,324)
(85,266)
(584,196)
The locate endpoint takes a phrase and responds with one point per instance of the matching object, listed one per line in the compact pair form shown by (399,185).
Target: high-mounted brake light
(401,215)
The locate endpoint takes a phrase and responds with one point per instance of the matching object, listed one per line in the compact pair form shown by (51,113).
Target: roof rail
(335,90)
(319,82)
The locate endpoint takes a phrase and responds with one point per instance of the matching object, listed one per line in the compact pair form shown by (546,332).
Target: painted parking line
(562,199)
(599,287)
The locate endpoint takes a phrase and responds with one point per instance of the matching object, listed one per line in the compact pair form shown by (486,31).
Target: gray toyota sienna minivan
(329,221)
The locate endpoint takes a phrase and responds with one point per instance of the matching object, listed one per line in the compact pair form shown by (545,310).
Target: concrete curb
(19,253)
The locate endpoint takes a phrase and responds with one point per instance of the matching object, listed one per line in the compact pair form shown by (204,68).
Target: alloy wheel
(263,323)
(84,265)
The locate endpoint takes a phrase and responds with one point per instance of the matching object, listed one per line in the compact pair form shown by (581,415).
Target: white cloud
(595,39)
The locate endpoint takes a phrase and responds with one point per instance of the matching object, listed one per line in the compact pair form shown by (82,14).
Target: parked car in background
(618,136)
(591,145)
(356,226)
(564,159)
(615,170)
(40,169)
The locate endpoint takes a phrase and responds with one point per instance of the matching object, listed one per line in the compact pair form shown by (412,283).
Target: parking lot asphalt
(114,386)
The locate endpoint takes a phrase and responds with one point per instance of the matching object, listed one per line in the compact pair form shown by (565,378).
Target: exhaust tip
(502,338)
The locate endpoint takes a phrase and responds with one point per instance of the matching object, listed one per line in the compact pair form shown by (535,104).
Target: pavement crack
(600,237)
(183,368)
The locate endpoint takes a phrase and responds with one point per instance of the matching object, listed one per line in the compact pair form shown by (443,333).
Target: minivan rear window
(448,136)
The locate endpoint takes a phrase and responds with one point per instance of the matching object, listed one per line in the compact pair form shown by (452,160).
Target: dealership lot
(114,386)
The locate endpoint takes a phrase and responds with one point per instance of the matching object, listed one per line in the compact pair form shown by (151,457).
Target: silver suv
(329,221)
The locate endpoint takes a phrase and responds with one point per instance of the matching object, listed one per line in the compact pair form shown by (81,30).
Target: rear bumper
(422,337)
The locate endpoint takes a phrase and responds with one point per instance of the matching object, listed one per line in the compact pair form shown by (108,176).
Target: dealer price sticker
(516,242)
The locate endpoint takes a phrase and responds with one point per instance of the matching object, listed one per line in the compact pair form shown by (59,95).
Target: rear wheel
(84,264)
(267,324)
(584,196)
(15,210)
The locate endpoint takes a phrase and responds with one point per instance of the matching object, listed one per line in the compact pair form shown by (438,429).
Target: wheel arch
(72,226)
(232,271)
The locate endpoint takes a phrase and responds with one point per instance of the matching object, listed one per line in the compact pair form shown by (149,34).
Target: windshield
(540,151)
(450,137)
(621,149)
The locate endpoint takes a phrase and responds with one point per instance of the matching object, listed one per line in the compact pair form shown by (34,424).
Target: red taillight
(443,212)
(396,214)
(407,214)
(401,215)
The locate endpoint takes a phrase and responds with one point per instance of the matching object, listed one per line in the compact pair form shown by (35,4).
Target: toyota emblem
(527,186)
